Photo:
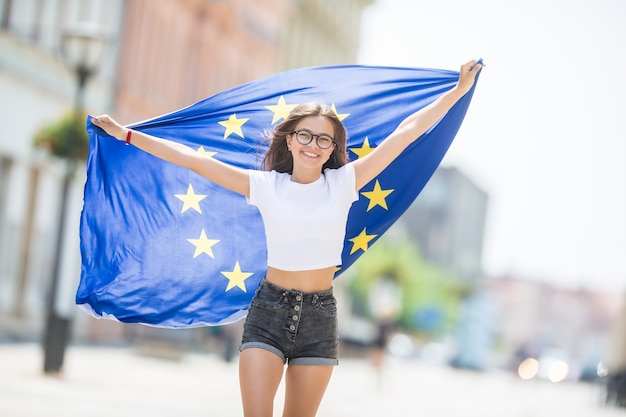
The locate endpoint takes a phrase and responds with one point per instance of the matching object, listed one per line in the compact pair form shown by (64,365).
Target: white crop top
(305,224)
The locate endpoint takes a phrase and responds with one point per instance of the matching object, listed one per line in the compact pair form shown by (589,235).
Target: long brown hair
(279,158)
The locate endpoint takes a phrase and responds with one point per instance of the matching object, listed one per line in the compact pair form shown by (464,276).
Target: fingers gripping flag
(165,247)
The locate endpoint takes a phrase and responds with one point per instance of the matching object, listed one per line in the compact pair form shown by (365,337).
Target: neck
(305,176)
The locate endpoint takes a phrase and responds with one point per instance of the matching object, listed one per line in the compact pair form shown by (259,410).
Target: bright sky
(545,133)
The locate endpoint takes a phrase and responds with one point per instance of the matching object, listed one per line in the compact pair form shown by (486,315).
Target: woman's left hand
(467,75)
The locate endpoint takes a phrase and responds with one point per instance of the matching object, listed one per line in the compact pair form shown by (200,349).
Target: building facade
(178,52)
(160,56)
(535,319)
(448,222)
(38,87)
(175,53)
(322,32)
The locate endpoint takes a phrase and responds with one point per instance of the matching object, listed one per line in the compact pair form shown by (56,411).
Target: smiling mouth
(310,155)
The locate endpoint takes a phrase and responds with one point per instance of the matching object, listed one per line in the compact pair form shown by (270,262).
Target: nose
(313,143)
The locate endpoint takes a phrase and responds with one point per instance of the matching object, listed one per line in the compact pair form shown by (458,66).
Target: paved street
(119,382)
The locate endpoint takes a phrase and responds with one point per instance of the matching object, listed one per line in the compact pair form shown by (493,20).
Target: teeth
(310,154)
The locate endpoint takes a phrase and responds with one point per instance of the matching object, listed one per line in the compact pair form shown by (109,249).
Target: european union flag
(163,246)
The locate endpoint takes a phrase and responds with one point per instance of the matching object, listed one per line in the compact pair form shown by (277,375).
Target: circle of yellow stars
(234,125)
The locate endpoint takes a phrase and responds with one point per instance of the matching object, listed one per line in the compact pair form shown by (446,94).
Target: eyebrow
(315,133)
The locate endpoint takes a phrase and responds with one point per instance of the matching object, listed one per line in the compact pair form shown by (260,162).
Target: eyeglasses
(304,137)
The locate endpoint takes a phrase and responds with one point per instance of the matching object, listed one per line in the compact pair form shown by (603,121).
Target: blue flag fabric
(165,247)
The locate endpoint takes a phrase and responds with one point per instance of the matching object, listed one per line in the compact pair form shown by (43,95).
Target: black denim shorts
(299,327)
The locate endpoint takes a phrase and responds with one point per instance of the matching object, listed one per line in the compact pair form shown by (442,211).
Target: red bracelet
(128,136)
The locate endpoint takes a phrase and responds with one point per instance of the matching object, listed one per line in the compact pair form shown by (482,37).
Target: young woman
(304,196)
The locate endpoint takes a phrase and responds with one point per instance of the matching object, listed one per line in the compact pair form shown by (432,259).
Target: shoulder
(343,173)
(265,176)
(261,182)
(343,179)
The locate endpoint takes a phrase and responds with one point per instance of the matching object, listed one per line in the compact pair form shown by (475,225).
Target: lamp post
(82,49)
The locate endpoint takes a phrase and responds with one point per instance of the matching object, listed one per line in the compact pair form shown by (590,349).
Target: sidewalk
(106,382)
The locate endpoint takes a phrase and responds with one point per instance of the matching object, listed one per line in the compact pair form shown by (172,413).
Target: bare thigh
(260,372)
(305,386)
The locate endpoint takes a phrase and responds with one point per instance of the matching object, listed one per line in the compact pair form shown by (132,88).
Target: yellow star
(341,116)
(203,245)
(364,149)
(377,196)
(236,278)
(281,110)
(233,125)
(190,200)
(361,241)
(206,153)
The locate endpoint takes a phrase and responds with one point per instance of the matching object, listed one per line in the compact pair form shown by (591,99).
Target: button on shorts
(300,327)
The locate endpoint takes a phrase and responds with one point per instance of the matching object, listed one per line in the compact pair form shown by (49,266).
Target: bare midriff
(308,281)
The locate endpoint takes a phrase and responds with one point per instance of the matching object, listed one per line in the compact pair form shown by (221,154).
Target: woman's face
(313,154)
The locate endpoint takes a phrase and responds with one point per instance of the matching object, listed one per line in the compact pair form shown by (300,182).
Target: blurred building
(38,87)
(616,351)
(505,318)
(175,53)
(160,56)
(616,360)
(448,222)
(322,32)
(534,318)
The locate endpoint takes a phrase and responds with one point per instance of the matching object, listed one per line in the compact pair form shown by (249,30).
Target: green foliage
(430,296)
(65,138)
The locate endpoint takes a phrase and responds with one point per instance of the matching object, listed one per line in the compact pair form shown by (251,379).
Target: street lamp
(82,49)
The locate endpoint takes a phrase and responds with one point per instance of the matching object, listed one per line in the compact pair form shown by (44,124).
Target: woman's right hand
(113,128)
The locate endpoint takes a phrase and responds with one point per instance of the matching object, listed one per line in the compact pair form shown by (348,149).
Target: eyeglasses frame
(313,136)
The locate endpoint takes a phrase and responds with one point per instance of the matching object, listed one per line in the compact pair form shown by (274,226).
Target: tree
(65,138)
(430,295)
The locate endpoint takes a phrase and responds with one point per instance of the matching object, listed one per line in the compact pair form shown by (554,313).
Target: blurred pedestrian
(304,197)
(616,361)
(385,300)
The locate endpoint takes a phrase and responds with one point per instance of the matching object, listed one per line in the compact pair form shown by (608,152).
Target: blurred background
(510,261)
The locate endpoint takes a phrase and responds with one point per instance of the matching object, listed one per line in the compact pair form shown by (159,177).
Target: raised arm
(228,176)
(412,127)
